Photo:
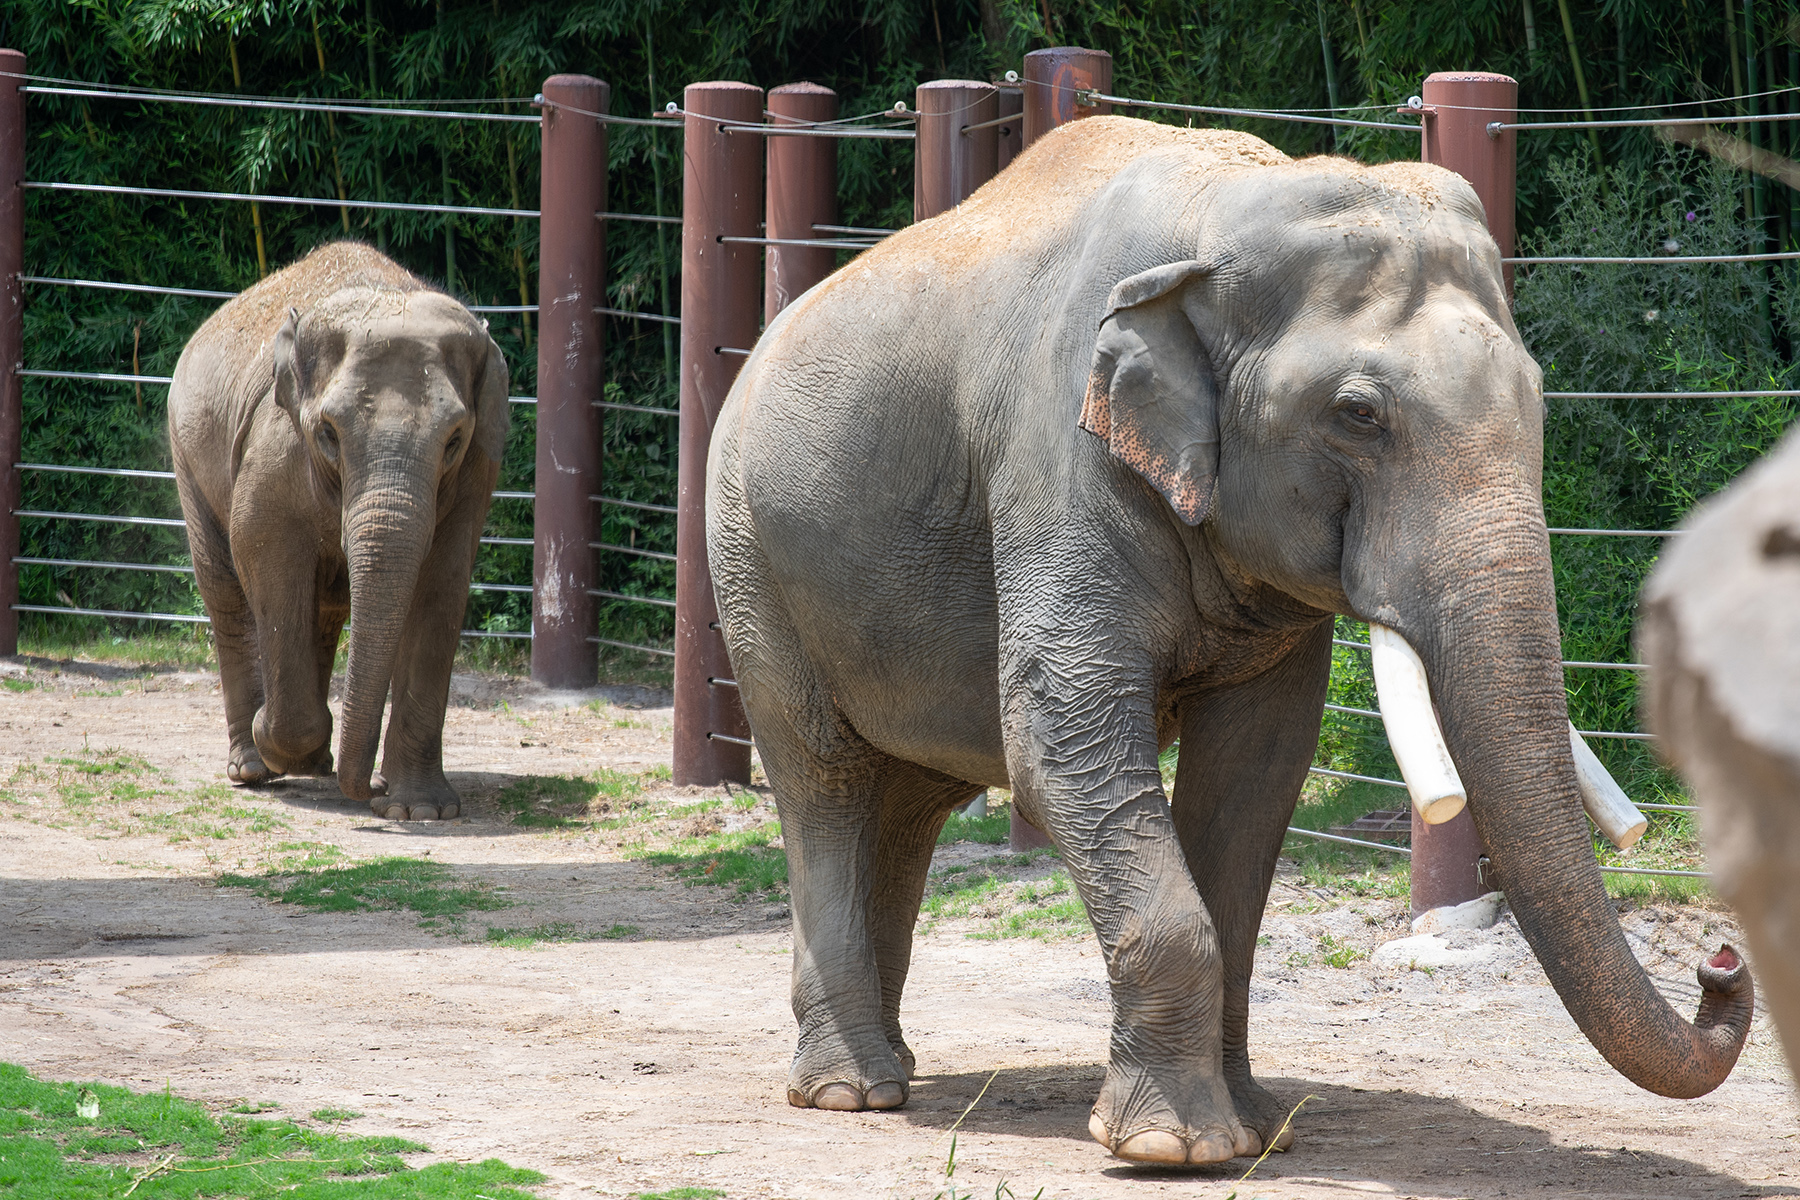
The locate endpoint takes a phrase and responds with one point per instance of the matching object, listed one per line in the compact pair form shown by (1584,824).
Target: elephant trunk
(387,534)
(1492,651)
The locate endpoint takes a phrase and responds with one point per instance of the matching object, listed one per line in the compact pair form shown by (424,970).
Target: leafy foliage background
(1608,463)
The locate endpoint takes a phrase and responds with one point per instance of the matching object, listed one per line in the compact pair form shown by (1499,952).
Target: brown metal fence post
(949,164)
(571,357)
(802,192)
(1446,859)
(721,197)
(12,333)
(1459,105)
(1052,77)
(1010,137)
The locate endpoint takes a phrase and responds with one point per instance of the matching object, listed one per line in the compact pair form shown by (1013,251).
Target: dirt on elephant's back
(624,1026)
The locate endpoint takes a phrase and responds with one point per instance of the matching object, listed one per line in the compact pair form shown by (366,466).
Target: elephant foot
(1138,1119)
(409,801)
(247,767)
(1262,1115)
(318,764)
(839,1082)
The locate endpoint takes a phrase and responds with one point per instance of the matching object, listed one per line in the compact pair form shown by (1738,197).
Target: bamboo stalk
(1331,84)
(262,255)
(1587,108)
(662,247)
(512,174)
(375,93)
(337,166)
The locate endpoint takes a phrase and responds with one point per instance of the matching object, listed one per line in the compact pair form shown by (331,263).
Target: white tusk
(1412,728)
(1606,802)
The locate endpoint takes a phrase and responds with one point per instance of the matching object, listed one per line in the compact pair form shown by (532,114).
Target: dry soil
(655,1062)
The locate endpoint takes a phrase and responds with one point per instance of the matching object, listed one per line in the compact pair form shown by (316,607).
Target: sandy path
(619,1067)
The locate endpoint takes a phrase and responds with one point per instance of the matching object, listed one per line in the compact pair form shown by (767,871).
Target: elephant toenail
(886,1095)
(424,812)
(1157,1146)
(1097,1128)
(395,812)
(839,1097)
(1212,1148)
(1249,1144)
(448,811)
(797,1098)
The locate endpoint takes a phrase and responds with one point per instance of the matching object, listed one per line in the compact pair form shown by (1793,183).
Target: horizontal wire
(637,408)
(1358,778)
(103,376)
(257,197)
(630,550)
(819,243)
(499,587)
(1495,127)
(111,612)
(1260,113)
(1734,395)
(906,135)
(640,316)
(506,541)
(63,516)
(113,566)
(1593,733)
(605,118)
(1655,871)
(659,601)
(286,105)
(1660,259)
(726,737)
(600,641)
(1671,807)
(127,471)
(494,633)
(126,287)
(1617,532)
(1625,666)
(730,683)
(730,350)
(1332,837)
(873,231)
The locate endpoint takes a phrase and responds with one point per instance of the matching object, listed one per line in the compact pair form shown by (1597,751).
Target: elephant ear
(1151,393)
(287,364)
(493,412)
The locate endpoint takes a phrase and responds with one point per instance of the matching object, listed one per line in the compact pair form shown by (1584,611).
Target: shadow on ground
(1411,1143)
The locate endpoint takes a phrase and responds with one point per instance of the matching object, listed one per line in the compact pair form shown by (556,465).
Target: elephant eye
(1360,414)
(451,449)
(327,440)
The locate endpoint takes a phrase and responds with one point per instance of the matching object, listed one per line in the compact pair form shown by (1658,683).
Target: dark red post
(1010,137)
(571,356)
(12,333)
(1053,77)
(1459,105)
(949,163)
(802,193)
(722,198)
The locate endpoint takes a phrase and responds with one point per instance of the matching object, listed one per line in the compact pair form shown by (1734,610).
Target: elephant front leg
(234,640)
(1244,755)
(1090,771)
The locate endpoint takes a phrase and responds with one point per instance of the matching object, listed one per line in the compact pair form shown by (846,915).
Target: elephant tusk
(1412,728)
(1606,802)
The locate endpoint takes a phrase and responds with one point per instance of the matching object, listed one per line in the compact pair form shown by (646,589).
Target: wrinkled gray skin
(1720,628)
(1030,490)
(336,432)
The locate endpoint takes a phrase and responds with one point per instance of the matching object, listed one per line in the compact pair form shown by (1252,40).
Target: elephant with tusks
(1030,490)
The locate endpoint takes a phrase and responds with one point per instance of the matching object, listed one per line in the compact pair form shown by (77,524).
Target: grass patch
(990,830)
(564,801)
(1008,906)
(335,1116)
(63,1140)
(91,639)
(745,859)
(17,685)
(1334,953)
(425,888)
(555,932)
(683,1193)
(251,1107)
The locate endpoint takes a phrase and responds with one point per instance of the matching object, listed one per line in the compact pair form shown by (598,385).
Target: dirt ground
(620,1067)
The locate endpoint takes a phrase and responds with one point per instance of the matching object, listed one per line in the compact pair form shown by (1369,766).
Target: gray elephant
(1720,629)
(1032,489)
(337,431)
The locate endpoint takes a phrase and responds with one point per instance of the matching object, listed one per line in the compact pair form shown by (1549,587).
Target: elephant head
(1333,392)
(399,400)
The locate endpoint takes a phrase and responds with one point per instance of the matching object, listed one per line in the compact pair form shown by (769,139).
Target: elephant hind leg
(914,806)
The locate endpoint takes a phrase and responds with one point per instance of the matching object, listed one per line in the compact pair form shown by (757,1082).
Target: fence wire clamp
(726,737)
